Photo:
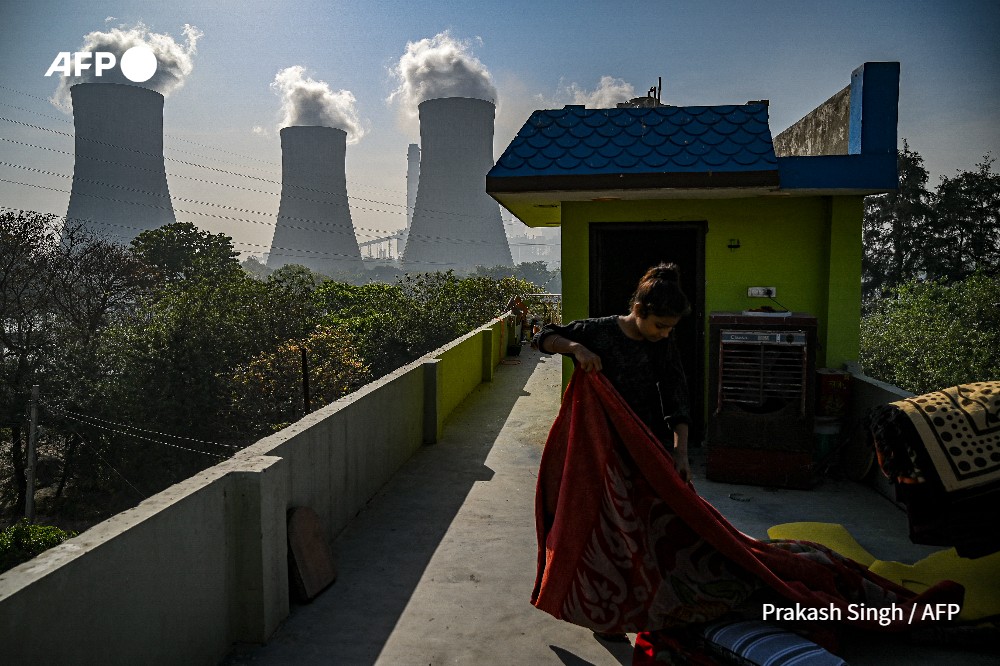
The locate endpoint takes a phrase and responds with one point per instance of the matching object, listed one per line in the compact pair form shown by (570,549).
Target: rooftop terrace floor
(439,568)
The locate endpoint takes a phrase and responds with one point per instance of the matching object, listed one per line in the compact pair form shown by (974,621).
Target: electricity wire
(273,167)
(109,465)
(85,421)
(131,427)
(283,225)
(379,234)
(316,225)
(237,174)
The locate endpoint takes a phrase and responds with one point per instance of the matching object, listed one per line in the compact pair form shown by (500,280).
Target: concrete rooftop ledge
(439,567)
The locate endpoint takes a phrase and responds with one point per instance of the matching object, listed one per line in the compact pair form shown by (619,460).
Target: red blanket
(625,545)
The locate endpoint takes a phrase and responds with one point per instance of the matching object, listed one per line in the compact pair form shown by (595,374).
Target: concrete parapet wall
(866,393)
(203,564)
(823,131)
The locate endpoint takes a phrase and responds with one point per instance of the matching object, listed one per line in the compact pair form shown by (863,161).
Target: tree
(180,251)
(381,318)
(535,272)
(965,227)
(895,228)
(256,268)
(171,358)
(925,336)
(269,389)
(395,324)
(59,289)
(292,302)
(26,308)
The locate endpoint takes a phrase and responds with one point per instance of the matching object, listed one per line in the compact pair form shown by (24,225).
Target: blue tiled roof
(575,141)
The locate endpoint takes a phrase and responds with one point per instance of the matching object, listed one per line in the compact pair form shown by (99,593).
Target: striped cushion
(755,643)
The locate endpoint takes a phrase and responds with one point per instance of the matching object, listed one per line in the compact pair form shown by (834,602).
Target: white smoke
(441,66)
(606,95)
(305,101)
(173,61)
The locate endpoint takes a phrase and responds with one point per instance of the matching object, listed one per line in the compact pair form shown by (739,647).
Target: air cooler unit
(761,391)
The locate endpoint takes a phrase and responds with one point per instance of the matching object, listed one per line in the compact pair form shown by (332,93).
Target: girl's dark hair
(659,293)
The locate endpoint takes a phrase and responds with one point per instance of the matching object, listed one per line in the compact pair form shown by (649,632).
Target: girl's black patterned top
(648,375)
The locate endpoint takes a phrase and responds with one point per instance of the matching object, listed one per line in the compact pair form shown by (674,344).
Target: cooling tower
(412,180)
(119,183)
(456,225)
(314,226)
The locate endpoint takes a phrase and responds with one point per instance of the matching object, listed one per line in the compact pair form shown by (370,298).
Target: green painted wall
(808,248)
(461,371)
(466,363)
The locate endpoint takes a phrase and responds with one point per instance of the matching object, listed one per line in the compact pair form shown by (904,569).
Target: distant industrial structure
(412,182)
(455,224)
(119,180)
(314,227)
(120,186)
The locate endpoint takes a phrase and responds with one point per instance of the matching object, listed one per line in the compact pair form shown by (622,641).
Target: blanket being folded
(625,545)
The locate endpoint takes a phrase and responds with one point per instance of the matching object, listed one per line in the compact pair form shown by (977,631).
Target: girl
(638,356)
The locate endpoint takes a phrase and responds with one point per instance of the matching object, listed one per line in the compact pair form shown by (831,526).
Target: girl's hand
(683,467)
(586,360)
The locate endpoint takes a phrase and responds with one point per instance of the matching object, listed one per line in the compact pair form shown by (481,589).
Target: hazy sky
(246,67)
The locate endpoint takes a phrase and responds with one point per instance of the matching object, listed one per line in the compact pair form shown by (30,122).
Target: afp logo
(138,64)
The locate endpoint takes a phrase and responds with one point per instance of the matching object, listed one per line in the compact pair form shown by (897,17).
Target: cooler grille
(763,371)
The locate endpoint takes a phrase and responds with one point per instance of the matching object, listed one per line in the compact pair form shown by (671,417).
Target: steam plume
(173,61)
(305,101)
(609,91)
(441,66)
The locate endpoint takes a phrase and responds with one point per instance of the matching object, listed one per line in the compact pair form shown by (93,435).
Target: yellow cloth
(980,577)
(833,536)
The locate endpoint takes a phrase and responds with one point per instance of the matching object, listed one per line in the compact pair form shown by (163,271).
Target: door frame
(692,264)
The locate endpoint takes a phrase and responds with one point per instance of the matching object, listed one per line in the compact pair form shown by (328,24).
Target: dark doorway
(621,253)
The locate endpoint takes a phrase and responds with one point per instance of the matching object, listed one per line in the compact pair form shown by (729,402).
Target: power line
(284,251)
(284,196)
(310,253)
(313,221)
(101,458)
(353,231)
(358,232)
(233,173)
(224,171)
(131,427)
(109,465)
(85,421)
(273,167)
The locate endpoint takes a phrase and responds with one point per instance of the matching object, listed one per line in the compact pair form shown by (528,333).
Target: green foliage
(23,540)
(535,272)
(291,294)
(896,228)
(269,389)
(395,324)
(181,251)
(256,268)
(927,336)
(965,229)
(154,360)
(922,336)
(948,234)
(59,288)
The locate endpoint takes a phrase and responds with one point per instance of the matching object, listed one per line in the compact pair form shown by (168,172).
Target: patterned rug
(960,429)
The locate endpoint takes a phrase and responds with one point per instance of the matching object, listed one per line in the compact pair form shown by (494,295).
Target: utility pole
(29,500)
